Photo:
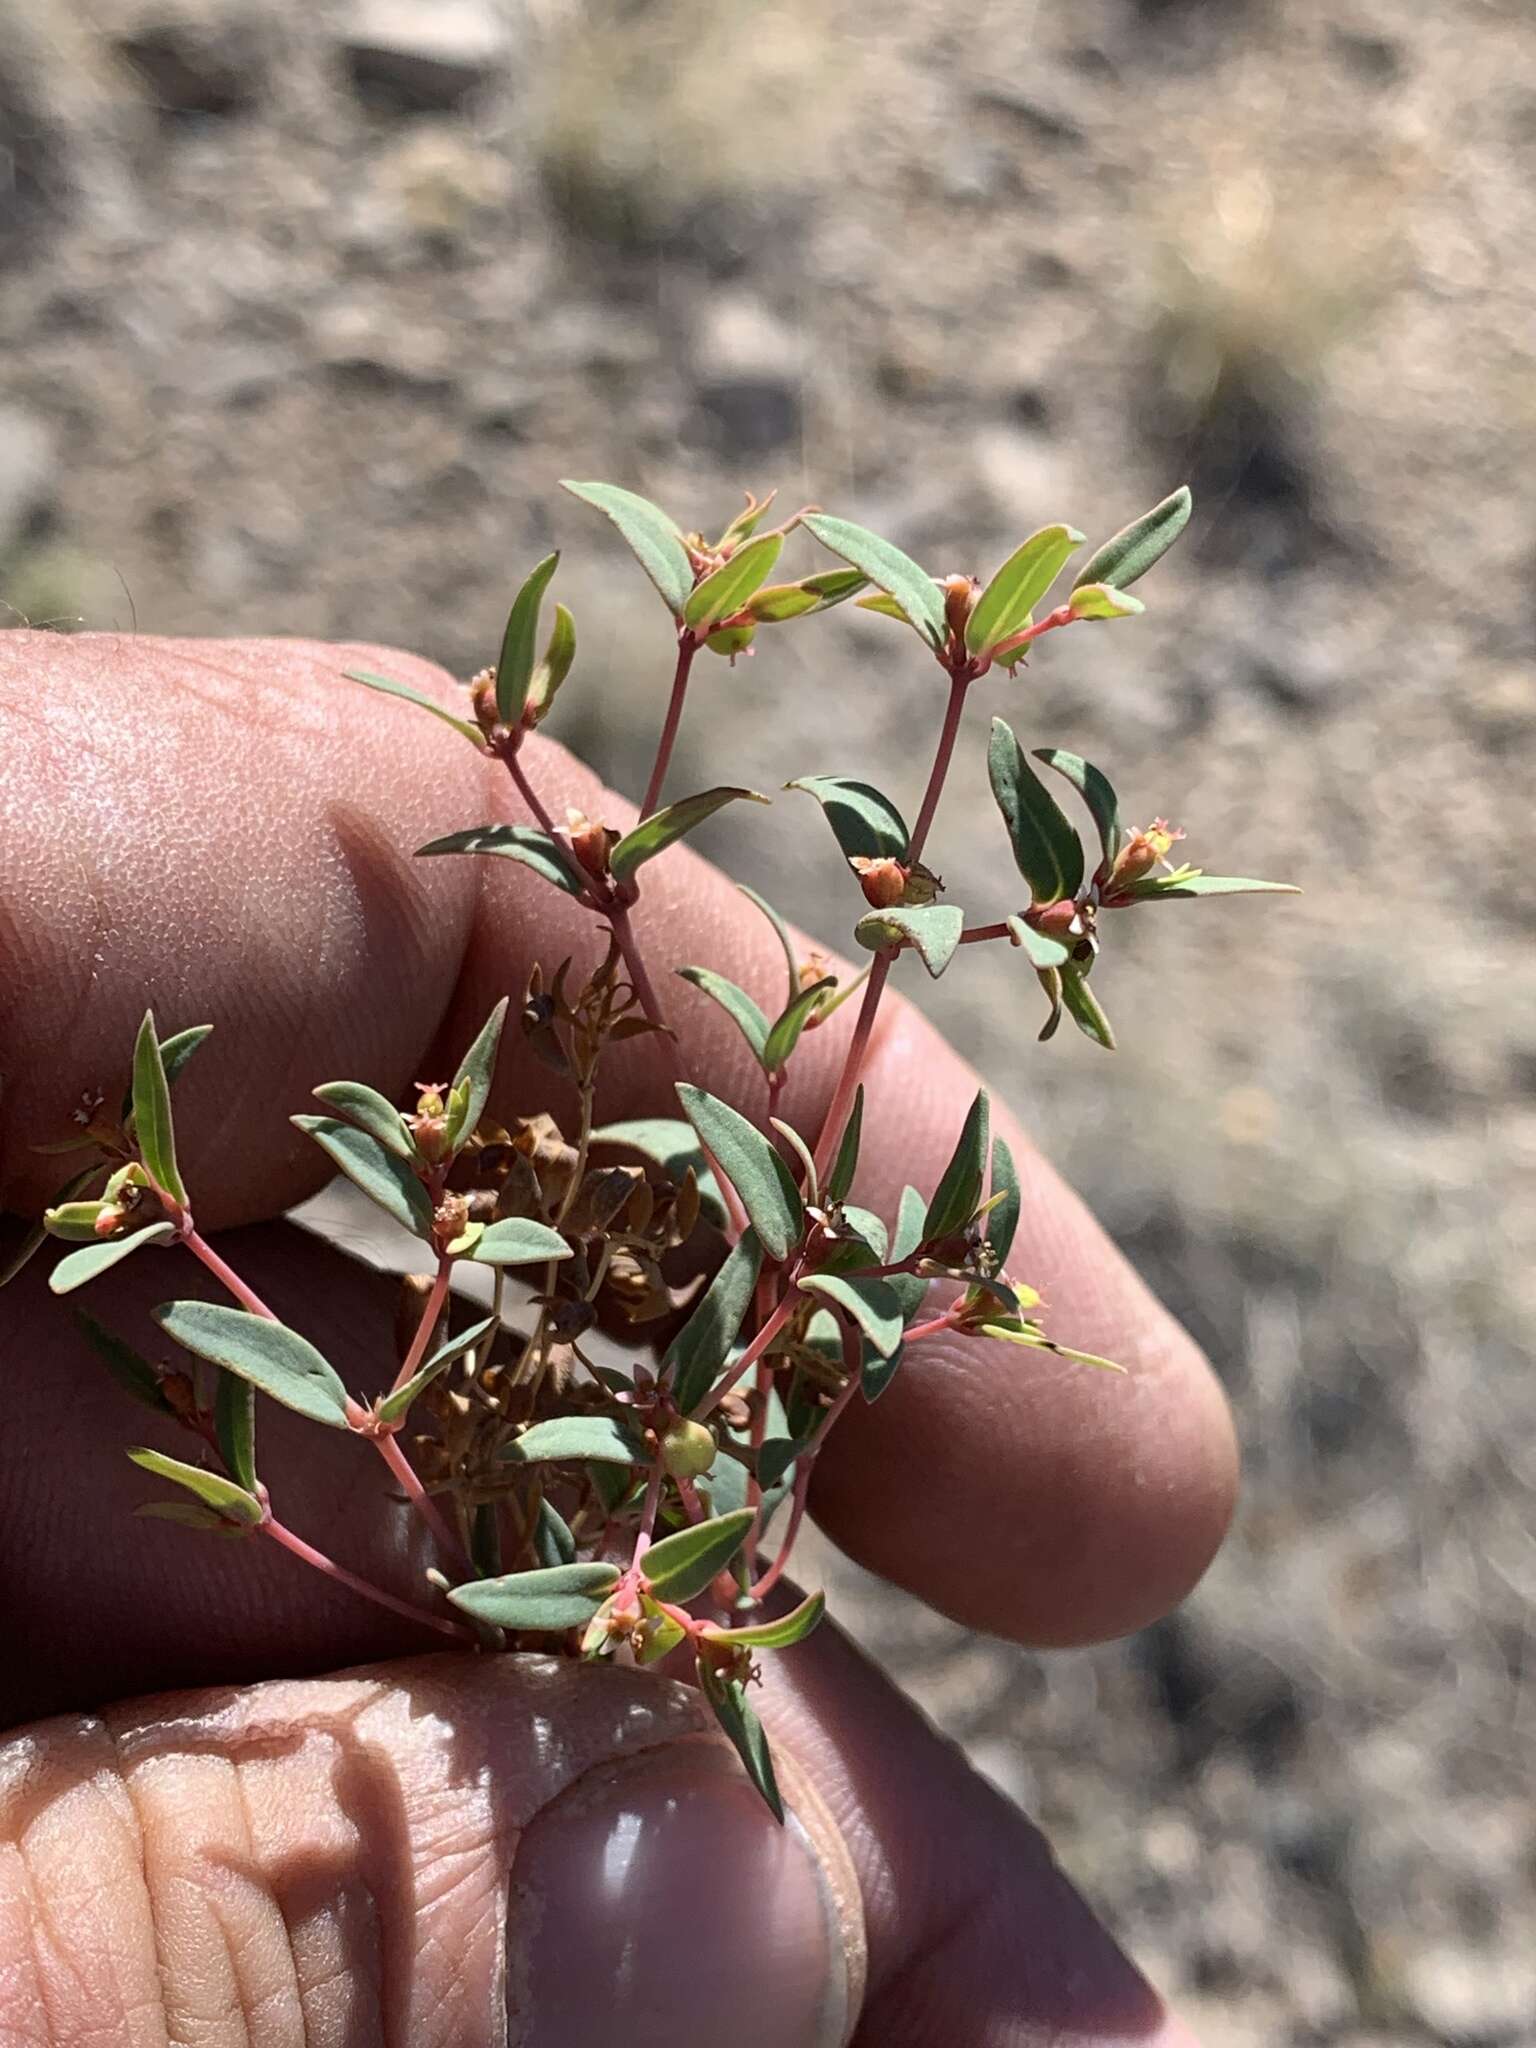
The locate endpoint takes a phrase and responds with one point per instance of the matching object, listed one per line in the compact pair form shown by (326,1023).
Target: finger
(1091,1503)
(503,1852)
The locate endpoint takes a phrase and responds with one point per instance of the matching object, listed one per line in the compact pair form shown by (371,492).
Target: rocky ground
(307,306)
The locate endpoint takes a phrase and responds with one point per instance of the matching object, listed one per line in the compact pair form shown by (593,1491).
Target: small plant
(572,1505)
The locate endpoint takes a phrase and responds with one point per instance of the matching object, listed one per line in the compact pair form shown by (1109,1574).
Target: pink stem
(934,1327)
(959,683)
(750,1356)
(224,1273)
(629,946)
(978,933)
(853,1062)
(529,794)
(687,647)
(342,1576)
(852,1352)
(429,1321)
(405,1476)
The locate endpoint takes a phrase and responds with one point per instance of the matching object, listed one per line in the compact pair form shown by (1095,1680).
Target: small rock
(750,376)
(417,59)
(28,465)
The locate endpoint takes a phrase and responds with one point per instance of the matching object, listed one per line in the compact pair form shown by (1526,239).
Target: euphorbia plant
(606,1509)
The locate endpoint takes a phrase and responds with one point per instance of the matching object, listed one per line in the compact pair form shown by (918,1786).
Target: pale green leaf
(382,1176)
(743,1012)
(514,669)
(1043,951)
(519,1241)
(152,1127)
(393,1406)
(276,1360)
(403,690)
(1005,605)
(672,822)
(681,1566)
(76,1268)
(472,1083)
(913,589)
(371,1112)
(230,1502)
(653,538)
(1103,601)
(789,1629)
(595,1439)
(555,1597)
(931,929)
(784,1034)
(526,844)
(1135,548)
(870,1301)
(753,1166)
(724,592)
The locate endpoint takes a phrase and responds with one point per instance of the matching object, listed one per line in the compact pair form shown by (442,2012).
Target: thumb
(517,1851)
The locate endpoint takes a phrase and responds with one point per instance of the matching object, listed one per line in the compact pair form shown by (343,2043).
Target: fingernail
(658,1901)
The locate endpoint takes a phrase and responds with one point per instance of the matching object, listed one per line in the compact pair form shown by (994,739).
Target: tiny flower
(884,881)
(589,842)
(1143,850)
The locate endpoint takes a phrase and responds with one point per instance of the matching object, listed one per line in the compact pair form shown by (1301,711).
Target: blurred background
(307,304)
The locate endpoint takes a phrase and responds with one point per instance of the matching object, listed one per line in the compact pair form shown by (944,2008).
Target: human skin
(444,1847)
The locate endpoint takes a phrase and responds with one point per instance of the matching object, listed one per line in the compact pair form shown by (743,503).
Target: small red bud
(589,842)
(883,881)
(959,593)
(1061,920)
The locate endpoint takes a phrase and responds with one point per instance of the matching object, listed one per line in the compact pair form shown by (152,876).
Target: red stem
(224,1273)
(687,648)
(342,1576)
(405,1476)
(634,961)
(959,683)
(852,1351)
(529,794)
(981,932)
(430,1316)
(750,1356)
(934,1327)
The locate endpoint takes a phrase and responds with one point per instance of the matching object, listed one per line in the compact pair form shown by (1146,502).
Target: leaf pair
(771,1043)
(753,1166)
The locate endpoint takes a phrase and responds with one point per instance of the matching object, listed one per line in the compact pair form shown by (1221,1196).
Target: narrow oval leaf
(382,1176)
(553,668)
(674,1146)
(393,1406)
(784,1034)
(736,1003)
(474,1078)
(519,1241)
(1042,949)
(152,1125)
(865,823)
(1103,601)
(680,1567)
(514,669)
(738,1718)
(392,689)
(272,1357)
(818,593)
(781,933)
(752,1165)
(1006,603)
(931,929)
(525,844)
(789,1629)
(371,1112)
(653,539)
(1047,851)
(595,1439)
(722,594)
(75,1222)
(553,1543)
(133,1373)
(672,822)
(1096,791)
(1003,1218)
(846,1164)
(234,1426)
(913,589)
(958,1195)
(870,1301)
(176,1050)
(557,1596)
(697,1354)
(76,1268)
(1082,1006)
(1155,888)
(232,1503)
(1135,548)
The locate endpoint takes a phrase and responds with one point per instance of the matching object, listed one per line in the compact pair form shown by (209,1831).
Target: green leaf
(230,1502)
(474,1079)
(176,1050)
(736,1003)
(133,1373)
(789,1629)
(866,824)
(519,1241)
(1003,1220)
(846,1164)
(1157,888)
(784,1034)
(553,1543)
(653,539)
(191,1514)
(514,670)
(556,1597)
(674,1146)
(680,1567)
(392,689)
(523,843)
(723,593)
(393,1406)
(1042,949)
(931,929)
(913,589)
(1014,1330)
(75,1222)
(383,1177)
(736,1715)
(152,1125)
(592,1438)
(878,1372)
(553,668)
(1006,603)
(958,1195)
(371,1112)
(1103,601)
(780,601)
(870,1301)
(697,1354)
(76,1268)
(781,933)
(234,1425)
(672,822)
(1047,851)
(1096,791)
(272,1357)
(753,1166)
(1082,1006)
(1135,548)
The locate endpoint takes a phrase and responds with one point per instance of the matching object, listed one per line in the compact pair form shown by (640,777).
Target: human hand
(458,1849)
